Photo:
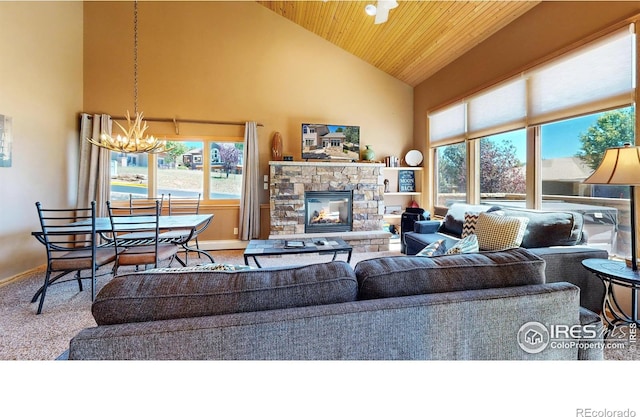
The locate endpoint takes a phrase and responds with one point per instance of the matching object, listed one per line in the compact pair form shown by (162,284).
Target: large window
(503,162)
(226,170)
(571,150)
(561,113)
(182,170)
(451,174)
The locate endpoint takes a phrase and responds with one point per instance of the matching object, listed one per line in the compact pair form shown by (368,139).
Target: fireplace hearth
(328,211)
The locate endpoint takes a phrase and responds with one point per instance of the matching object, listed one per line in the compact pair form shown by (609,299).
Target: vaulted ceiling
(419,38)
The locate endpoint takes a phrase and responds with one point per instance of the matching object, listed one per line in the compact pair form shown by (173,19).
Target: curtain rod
(175,121)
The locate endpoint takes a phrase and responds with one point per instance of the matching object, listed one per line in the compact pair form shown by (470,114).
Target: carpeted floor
(27,336)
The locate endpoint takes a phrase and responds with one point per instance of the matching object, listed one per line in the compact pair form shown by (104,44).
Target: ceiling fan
(381,11)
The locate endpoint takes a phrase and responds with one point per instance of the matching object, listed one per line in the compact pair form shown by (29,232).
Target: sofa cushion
(410,275)
(149,296)
(497,232)
(547,228)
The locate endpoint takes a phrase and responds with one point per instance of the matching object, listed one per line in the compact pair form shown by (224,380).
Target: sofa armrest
(591,351)
(426,226)
(564,263)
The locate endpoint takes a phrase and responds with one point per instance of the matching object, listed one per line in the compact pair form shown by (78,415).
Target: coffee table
(270,247)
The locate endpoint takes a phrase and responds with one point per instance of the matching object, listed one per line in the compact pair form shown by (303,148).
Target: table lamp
(621,166)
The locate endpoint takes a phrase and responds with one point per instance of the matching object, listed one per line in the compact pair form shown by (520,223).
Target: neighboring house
(311,134)
(192,159)
(130,159)
(564,176)
(333,139)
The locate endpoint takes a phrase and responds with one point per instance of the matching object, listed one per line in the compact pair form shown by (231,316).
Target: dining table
(196,223)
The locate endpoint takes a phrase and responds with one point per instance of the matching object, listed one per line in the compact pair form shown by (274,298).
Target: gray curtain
(249,204)
(94,182)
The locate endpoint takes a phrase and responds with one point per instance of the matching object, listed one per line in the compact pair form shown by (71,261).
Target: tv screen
(330,142)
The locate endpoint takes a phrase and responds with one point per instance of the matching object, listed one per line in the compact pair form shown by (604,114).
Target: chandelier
(133,140)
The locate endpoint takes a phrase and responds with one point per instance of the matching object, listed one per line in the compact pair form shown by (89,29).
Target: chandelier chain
(135,56)
(134,139)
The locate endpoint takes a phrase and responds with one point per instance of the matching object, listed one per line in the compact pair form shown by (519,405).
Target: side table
(616,274)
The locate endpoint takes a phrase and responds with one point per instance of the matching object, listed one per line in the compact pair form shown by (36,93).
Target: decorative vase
(368,153)
(276,147)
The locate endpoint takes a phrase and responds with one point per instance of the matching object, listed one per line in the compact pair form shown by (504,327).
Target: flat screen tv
(330,142)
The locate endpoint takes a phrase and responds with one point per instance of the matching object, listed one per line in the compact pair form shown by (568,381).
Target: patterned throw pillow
(469,225)
(434,249)
(203,267)
(467,245)
(496,232)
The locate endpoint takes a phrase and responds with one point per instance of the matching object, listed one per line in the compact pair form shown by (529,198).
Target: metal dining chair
(72,245)
(137,235)
(137,205)
(144,204)
(184,205)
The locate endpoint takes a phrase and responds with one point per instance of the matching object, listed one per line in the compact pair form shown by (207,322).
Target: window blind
(448,123)
(596,77)
(500,109)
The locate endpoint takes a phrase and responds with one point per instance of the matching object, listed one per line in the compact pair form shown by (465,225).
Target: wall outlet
(235,230)
(266,178)
(266,186)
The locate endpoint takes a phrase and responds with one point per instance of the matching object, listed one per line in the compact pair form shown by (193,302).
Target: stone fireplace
(291,181)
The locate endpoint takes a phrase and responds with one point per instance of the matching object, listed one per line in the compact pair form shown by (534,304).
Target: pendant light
(133,140)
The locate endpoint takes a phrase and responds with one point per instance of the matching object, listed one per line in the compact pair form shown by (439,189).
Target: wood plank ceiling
(420,37)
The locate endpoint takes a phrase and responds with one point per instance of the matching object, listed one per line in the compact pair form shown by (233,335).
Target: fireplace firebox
(328,211)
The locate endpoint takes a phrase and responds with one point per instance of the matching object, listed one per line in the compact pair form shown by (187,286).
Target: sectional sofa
(456,307)
(557,237)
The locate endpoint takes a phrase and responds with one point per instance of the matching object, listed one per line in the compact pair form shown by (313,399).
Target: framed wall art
(330,142)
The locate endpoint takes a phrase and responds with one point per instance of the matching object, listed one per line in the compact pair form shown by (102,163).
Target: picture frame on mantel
(330,142)
(6,138)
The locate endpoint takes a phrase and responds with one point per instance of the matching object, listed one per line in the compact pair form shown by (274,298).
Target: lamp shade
(619,166)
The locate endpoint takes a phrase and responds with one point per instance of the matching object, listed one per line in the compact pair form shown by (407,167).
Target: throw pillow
(496,232)
(469,225)
(467,245)
(433,249)
(203,267)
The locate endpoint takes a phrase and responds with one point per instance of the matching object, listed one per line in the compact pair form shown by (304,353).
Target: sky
(559,140)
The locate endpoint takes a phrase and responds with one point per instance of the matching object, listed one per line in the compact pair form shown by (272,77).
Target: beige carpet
(27,336)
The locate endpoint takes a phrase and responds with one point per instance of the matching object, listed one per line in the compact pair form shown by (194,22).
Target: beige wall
(41,89)
(545,29)
(238,61)
(219,61)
